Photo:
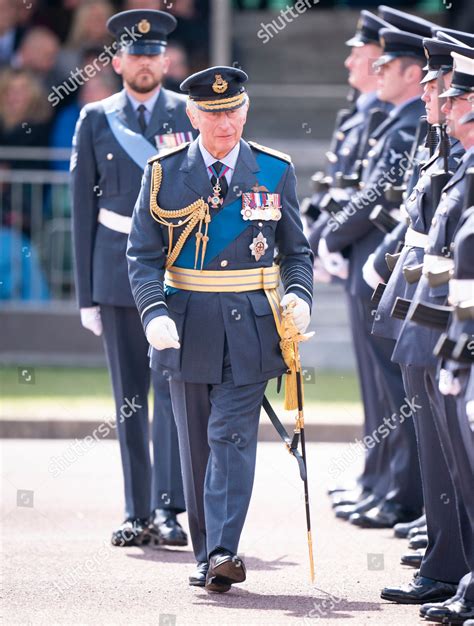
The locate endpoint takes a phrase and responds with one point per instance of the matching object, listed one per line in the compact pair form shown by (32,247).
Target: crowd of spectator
(43,42)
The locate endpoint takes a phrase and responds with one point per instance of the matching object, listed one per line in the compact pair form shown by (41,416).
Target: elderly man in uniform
(113,140)
(207,224)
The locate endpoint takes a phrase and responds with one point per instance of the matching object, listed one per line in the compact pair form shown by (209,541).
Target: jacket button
(372,141)
(260,224)
(444,195)
(224,263)
(110,156)
(340,135)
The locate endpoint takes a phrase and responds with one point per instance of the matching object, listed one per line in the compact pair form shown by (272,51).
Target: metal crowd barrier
(35,225)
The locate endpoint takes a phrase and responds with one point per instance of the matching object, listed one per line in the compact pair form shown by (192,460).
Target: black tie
(217,166)
(141,117)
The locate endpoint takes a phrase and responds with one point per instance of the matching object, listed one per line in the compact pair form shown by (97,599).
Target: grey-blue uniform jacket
(348,137)
(386,164)
(463,271)
(415,343)
(419,206)
(105,176)
(205,320)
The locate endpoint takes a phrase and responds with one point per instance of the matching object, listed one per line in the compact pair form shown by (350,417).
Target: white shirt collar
(229,160)
(149,104)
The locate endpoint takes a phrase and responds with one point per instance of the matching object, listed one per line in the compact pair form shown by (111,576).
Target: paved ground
(60,502)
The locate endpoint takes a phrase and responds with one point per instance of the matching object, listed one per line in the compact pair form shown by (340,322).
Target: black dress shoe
(343,498)
(419,591)
(166,530)
(401,530)
(386,515)
(456,612)
(412,559)
(418,530)
(345,511)
(225,569)
(335,488)
(133,532)
(198,579)
(424,608)
(418,541)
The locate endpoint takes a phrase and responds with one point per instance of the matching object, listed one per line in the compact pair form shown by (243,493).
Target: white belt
(461,290)
(415,239)
(435,263)
(115,221)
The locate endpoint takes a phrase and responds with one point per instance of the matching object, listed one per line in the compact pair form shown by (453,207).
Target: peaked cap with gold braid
(219,88)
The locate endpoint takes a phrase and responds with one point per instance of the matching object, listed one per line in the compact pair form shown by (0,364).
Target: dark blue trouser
(444,558)
(376,473)
(458,441)
(404,481)
(148,485)
(217,431)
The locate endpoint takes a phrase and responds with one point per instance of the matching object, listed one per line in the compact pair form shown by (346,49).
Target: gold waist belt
(223,280)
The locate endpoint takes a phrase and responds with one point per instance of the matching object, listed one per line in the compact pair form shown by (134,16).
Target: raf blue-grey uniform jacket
(104,176)
(420,208)
(416,343)
(386,164)
(347,140)
(206,320)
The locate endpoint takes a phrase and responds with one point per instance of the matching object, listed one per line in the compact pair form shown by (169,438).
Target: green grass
(42,383)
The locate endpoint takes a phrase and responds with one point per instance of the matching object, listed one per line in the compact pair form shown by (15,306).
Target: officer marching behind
(204,231)
(113,139)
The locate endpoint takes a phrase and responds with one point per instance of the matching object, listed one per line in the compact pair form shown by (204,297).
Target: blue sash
(228,224)
(135,145)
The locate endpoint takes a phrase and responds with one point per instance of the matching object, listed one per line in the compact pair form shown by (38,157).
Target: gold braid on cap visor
(222,103)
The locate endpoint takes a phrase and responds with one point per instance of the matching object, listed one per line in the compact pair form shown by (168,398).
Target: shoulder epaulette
(168,152)
(275,153)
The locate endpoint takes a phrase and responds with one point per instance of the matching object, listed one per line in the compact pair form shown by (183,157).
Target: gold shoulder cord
(197,212)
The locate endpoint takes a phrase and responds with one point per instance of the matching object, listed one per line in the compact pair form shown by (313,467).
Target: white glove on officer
(448,384)
(470,413)
(369,274)
(301,313)
(90,319)
(162,333)
(320,273)
(333,262)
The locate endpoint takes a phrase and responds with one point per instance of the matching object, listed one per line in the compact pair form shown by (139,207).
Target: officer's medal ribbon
(261,206)
(216,200)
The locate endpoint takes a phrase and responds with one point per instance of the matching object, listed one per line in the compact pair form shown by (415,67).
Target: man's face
(142,73)
(389,83)
(359,63)
(220,131)
(433,104)
(454,109)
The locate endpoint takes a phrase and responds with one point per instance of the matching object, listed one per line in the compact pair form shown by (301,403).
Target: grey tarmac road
(61,499)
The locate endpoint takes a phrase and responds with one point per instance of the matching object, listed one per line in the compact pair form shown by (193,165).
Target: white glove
(333,262)
(470,413)
(301,314)
(162,333)
(90,319)
(371,277)
(448,384)
(320,273)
